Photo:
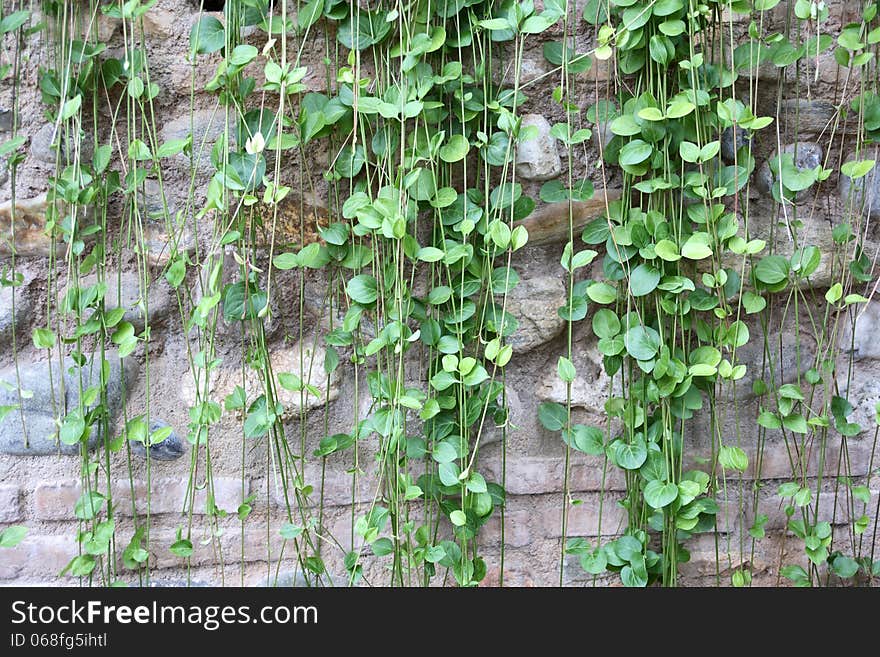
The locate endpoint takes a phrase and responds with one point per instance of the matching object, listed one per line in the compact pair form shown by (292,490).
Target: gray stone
(592,387)
(305,359)
(809,118)
(168,450)
(159,245)
(288,579)
(205,126)
(767,221)
(177,583)
(792,356)
(49,143)
(107,27)
(537,158)
(19,319)
(534,303)
(4,171)
(161,23)
(862,194)
(862,341)
(124,291)
(729,147)
(150,200)
(5,120)
(807,155)
(45,399)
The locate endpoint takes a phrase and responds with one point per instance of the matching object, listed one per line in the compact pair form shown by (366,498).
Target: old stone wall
(40,481)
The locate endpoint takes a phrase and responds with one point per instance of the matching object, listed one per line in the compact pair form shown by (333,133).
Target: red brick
(56,500)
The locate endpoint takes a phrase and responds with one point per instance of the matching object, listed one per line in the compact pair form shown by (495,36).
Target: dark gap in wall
(211,5)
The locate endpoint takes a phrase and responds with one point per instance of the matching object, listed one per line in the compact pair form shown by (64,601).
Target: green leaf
(289,531)
(553,416)
(658,494)
(796,423)
(362,29)
(182,548)
(632,578)
(844,567)
(12,536)
(14,21)
(679,108)
(796,574)
(643,280)
(309,14)
(857,169)
(605,323)
(667,250)
(382,547)
(565,370)
(430,254)
(477,483)
(635,152)
(642,342)
(43,338)
(444,452)
(589,440)
(70,107)
(72,428)
(455,149)
(207,36)
(594,561)
(458,518)
(336,233)
(602,293)
(139,151)
(88,505)
(733,458)
(772,269)
(363,289)
(696,247)
(12,145)
(650,114)
(259,420)
(285,261)
(631,456)
(449,473)
(834,293)
(242,302)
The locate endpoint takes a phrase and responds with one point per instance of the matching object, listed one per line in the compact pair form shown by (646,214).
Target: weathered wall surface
(39,483)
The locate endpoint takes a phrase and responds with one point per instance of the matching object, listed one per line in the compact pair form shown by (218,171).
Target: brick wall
(40,483)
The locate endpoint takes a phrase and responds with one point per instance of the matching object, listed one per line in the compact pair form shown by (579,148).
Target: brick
(601,70)
(832,508)
(532,475)
(258,545)
(56,500)
(775,463)
(583,519)
(37,557)
(10,507)
(516,529)
(336,489)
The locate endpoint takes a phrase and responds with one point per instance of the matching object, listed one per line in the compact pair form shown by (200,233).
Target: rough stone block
(10,506)
(49,392)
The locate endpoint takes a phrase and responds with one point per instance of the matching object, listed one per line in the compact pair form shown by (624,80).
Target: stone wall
(39,481)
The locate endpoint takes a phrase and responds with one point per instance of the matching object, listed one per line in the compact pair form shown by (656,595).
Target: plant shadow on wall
(340,224)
